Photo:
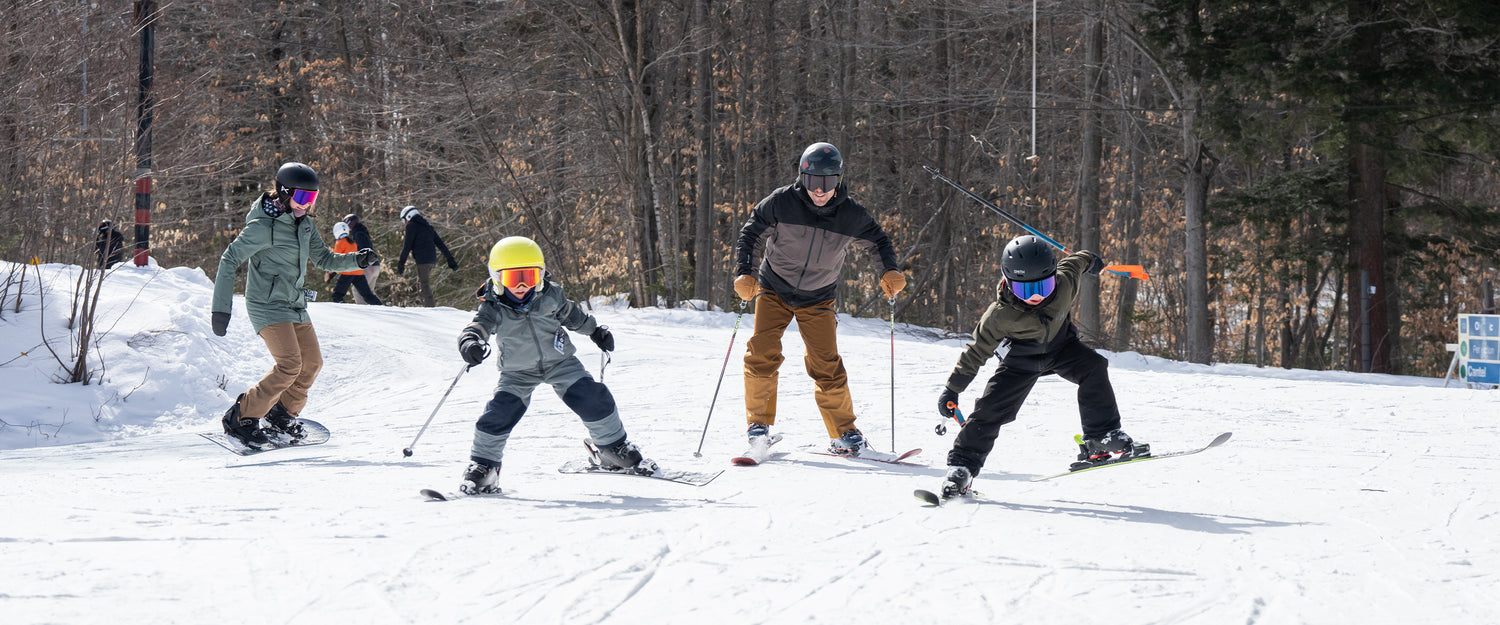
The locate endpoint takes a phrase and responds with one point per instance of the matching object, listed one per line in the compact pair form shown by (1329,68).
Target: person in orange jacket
(344,244)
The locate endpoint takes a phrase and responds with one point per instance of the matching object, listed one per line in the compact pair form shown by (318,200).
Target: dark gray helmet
(821,159)
(1027,259)
(296,176)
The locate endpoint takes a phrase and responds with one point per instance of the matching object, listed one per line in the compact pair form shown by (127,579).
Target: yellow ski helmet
(515,253)
(512,252)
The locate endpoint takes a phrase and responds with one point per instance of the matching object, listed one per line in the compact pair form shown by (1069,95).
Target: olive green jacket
(1032,330)
(277,249)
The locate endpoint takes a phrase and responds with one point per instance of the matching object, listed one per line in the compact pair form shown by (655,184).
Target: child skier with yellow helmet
(527,314)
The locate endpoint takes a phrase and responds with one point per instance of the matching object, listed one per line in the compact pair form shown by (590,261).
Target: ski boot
(1112,446)
(624,457)
(759,435)
(247,431)
(281,422)
(480,479)
(957,483)
(849,444)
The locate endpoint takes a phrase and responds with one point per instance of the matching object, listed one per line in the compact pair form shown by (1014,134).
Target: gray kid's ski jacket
(529,337)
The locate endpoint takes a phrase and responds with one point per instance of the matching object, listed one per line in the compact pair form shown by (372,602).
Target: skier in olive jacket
(1031,314)
(279,239)
(787,261)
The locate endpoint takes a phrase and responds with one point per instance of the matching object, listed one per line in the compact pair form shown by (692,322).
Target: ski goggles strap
(517,277)
(1043,287)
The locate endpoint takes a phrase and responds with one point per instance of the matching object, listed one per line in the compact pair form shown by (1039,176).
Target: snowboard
(1217,441)
(754,456)
(316,435)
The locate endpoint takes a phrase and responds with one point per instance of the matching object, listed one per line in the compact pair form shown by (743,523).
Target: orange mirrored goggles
(517,277)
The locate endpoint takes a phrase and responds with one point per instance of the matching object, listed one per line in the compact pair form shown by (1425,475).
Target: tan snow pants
(819,328)
(294,347)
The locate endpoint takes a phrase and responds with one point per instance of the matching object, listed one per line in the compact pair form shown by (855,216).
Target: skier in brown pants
(787,261)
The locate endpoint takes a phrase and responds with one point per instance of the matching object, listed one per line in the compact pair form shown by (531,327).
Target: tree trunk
(1199,166)
(1368,346)
(1091,162)
(703,215)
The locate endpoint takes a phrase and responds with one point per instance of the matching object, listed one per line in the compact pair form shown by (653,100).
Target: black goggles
(820,183)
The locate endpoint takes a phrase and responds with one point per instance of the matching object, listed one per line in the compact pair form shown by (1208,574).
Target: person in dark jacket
(109,246)
(343,243)
(526,313)
(423,243)
(1031,314)
(361,237)
(787,261)
(278,241)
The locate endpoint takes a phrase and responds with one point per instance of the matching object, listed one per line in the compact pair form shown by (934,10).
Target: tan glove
(892,283)
(746,286)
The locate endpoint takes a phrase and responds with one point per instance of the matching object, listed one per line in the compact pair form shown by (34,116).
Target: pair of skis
(934,499)
(591,464)
(760,451)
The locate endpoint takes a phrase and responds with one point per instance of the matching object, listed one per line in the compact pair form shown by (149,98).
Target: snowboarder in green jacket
(279,239)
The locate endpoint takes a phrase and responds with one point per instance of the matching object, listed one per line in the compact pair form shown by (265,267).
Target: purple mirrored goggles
(1043,287)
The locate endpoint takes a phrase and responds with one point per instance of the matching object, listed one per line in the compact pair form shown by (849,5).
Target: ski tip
(743,461)
(909,454)
(1220,439)
(928,497)
(434,495)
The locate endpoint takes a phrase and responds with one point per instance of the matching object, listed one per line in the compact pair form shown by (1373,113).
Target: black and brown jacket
(800,247)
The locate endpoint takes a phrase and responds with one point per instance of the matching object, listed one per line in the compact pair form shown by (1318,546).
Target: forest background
(1310,183)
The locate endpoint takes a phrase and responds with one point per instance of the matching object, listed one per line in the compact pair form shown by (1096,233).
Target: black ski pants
(361,286)
(1007,390)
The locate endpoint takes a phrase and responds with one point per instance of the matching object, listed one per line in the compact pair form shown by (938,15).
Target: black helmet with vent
(1028,258)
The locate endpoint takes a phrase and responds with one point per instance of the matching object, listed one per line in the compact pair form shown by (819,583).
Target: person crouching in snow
(1031,311)
(527,314)
(278,240)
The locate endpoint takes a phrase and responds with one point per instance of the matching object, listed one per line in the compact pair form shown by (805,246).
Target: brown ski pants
(294,347)
(819,328)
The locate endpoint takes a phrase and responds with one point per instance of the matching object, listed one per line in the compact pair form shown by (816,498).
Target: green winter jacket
(1032,330)
(277,249)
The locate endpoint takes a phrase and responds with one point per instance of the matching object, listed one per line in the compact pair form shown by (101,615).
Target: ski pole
(893,374)
(1131,271)
(711,402)
(407,452)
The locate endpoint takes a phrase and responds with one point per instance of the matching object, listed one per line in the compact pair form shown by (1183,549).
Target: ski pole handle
(958,415)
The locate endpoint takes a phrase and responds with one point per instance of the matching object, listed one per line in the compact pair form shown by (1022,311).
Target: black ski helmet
(295,176)
(1027,259)
(821,159)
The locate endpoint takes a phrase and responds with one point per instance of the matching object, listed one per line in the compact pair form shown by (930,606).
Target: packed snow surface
(1342,498)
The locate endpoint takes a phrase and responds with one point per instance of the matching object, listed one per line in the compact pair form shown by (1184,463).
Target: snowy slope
(1342,498)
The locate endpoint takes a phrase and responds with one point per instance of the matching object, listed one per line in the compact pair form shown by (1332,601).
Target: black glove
(1096,266)
(603,338)
(400,268)
(947,402)
(367,257)
(473,349)
(221,323)
(453,264)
